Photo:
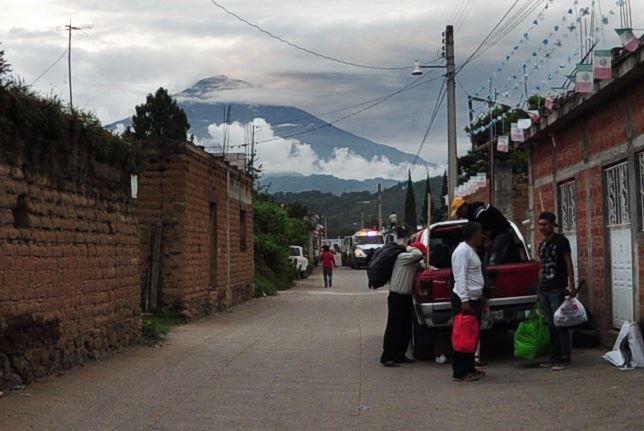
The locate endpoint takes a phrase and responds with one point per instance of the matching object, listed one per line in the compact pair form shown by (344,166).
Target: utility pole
(69,28)
(452,163)
(379,207)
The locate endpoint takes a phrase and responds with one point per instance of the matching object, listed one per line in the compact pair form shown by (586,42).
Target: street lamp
(417,70)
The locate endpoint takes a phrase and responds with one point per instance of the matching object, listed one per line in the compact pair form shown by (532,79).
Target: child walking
(328,263)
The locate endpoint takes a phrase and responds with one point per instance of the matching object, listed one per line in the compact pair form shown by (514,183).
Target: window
(641,171)
(568,208)
(242,230)
(617,195)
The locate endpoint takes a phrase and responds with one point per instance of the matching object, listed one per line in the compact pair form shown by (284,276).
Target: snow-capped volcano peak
(205,88)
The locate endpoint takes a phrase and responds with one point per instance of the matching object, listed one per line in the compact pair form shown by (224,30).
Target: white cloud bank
(288,156)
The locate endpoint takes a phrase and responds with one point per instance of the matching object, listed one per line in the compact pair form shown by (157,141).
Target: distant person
(400,305)
(328,263)
(467,294)
(557,279)
(499,235)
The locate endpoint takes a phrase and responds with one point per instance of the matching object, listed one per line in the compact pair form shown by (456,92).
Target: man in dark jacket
(499,235)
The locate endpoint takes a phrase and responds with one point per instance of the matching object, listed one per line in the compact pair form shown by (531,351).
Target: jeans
(463,363)
(560,345)
(398,331)
(328,276)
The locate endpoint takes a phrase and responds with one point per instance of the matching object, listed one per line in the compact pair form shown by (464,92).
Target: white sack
(628,350)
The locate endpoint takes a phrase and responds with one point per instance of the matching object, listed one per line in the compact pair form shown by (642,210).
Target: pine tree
(160,118)
(5,67)
(441,211)
(410,205)
(423,214)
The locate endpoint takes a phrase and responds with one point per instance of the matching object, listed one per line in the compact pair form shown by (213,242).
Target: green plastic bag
(532,337)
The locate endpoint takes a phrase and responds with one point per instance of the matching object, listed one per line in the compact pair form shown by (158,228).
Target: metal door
(568,219)
(620,243)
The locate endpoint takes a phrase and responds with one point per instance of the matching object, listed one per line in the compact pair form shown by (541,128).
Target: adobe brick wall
(179,192)
(69,282)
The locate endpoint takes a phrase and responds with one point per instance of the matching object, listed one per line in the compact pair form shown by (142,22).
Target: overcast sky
(136,46)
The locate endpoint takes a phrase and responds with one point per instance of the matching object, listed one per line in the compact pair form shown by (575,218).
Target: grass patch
(155,327)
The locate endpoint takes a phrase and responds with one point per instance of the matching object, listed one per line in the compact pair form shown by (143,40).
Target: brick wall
(596,134)
(69,274)
(203,265)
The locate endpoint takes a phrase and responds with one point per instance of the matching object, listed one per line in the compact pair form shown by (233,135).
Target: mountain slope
(322,183)
(204,104)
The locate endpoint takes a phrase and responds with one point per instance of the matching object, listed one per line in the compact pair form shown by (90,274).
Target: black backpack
(381,265)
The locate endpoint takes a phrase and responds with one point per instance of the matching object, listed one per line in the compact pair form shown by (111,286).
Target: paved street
(308,359)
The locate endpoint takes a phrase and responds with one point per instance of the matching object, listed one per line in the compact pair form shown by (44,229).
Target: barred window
(568,207)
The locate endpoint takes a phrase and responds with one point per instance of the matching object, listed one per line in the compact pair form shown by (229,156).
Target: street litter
(570,313)
(441,359)
(363,408)
(628,350)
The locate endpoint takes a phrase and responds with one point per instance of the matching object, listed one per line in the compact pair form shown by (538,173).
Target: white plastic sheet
(570,313)
(628,350)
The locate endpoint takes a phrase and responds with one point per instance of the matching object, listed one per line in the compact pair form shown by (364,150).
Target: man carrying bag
(466,299)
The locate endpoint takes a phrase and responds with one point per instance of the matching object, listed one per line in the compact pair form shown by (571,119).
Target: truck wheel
(423,341)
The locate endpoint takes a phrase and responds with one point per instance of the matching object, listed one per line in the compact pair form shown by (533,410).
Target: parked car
(364,244)
(299,260)
(513,290)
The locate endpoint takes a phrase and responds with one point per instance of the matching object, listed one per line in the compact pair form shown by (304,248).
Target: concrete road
(308,359)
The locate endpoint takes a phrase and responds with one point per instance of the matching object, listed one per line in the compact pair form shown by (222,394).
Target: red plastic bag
(465,333)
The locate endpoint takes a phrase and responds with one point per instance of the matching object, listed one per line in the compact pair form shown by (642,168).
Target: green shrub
(155,327)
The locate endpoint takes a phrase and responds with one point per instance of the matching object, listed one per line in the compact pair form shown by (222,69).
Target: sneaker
(469,378)
(390,364)
(480,373)
(406,360)
(561,366)
(549,364)
(479,364)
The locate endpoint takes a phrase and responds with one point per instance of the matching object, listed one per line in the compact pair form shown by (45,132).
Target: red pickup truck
(513,289)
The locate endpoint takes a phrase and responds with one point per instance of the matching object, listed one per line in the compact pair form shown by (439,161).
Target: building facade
(197,244)
(587,166)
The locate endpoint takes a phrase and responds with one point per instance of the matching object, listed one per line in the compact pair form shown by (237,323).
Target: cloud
(291,156)
(138,45)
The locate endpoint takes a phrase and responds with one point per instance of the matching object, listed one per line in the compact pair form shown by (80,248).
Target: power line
(354,113)
(300,47)
(439,102)
(44,72)
(497,36)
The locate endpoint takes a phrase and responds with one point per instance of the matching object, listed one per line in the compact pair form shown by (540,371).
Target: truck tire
(423,341)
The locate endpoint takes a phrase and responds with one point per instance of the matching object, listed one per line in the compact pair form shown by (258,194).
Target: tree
(441,211)
(5,67)
(428,191)
(410,205)
(160,118)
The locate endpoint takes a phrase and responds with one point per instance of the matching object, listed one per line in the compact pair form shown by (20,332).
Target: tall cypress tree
(441,211)
(423,214)
(410,205)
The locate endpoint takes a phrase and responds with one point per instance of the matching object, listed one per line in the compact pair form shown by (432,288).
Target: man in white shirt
(466,296)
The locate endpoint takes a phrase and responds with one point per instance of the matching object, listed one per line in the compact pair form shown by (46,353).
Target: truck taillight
(426,288)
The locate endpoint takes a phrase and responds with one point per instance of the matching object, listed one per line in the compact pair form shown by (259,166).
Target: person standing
(400,306)
(328,263)
(556,281)
(466,295)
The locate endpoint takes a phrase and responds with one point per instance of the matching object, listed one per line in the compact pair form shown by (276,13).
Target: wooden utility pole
(379,207)
(69,28)
(452,162)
